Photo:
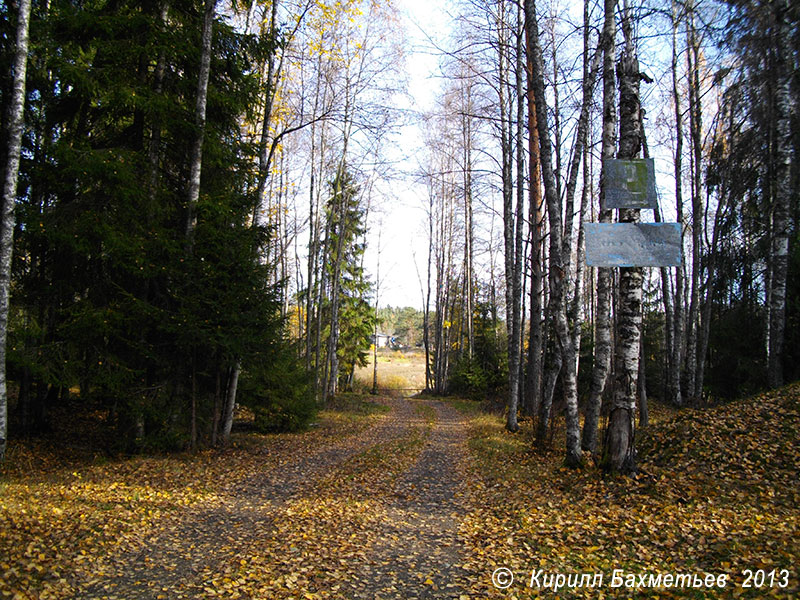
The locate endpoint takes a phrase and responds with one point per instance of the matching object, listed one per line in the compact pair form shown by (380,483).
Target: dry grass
(397,370)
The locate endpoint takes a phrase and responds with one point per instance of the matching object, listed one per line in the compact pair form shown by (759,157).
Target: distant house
(381,340)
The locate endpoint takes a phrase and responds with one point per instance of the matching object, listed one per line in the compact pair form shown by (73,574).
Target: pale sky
(402,221)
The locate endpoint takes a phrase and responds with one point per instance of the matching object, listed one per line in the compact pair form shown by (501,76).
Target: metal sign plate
(629,183)
(633,244)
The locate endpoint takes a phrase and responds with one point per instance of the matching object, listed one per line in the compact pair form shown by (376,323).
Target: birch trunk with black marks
(781,221)
(230,403)
(518,222)
(196,164)
(559,270)
(619,452)
(507,158)
(602,347)
(199,125)
(14,121)
(469,292)
(695,129)
(575,284)
(679,328)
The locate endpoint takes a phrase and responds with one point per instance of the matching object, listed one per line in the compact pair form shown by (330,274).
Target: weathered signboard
(633,244)
(629,183)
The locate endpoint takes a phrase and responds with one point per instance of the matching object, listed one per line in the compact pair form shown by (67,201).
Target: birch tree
(695,132)
(559,271)
(201,99)
(619,453)
(781,220)
(602,349)
(14,124)
(675,362)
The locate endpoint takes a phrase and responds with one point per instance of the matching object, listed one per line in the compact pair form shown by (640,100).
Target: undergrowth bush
(279,394)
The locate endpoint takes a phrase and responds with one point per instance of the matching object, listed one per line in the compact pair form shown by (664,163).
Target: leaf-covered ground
(351,509)
(718,493)
(410,499)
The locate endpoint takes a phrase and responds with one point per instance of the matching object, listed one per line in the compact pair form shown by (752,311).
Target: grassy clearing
(718,493)
(398,370)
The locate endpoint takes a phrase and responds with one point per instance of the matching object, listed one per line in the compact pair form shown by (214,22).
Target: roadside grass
(353,408)
(717,493)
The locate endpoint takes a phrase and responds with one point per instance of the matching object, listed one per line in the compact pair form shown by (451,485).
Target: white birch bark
(695,131)
(679,329)
(781,221)
(602,348)
(515,308)
(199,124)
(579,154)
(619,453)
(230,403)
(15,122)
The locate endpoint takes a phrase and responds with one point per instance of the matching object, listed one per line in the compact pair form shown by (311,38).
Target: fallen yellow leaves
(298,516)
(718,492)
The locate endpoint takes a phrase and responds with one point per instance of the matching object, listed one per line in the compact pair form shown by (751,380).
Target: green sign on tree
(629,183)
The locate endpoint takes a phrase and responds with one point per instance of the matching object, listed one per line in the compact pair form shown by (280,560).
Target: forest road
(371,513)
(417,552)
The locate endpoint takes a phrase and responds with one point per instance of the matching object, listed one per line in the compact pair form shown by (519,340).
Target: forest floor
(414,498)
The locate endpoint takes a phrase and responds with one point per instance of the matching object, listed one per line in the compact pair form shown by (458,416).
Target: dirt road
(372,513)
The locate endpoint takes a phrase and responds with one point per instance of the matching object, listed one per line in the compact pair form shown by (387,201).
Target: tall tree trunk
(230,403)
(199,124)
(708,301)
(559,270)
(466,132)
(602,347)
(579,154)
(679,328)
(515,307)
(619,453)
(781,221)
(695,127)
(427,309)
(314,283)
(332,369)
(507,156)
(264,156)
(15,120)
(536,216)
